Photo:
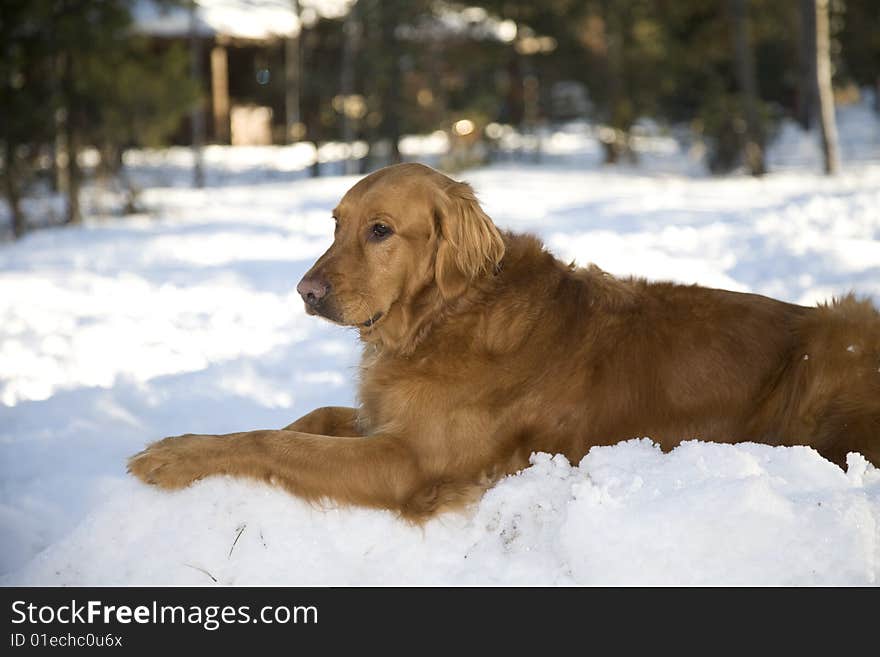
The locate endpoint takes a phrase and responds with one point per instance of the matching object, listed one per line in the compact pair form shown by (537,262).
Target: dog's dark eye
(379,231)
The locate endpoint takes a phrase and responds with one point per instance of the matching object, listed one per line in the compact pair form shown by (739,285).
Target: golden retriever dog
(480,348)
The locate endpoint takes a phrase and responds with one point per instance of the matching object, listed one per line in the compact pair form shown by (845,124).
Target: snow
(262,20)
(186,320)
(703,514)
(454,20)
(242,19)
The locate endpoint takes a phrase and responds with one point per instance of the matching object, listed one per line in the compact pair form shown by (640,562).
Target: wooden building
(244,52)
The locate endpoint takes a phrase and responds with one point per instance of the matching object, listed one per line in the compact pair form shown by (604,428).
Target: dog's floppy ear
(469,243)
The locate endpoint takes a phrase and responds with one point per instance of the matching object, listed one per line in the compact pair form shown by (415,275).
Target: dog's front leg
(329,421)
(379,471)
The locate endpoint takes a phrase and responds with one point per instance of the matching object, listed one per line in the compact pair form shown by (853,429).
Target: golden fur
(480,348)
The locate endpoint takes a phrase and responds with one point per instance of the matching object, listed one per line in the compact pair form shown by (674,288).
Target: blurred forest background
(84,81)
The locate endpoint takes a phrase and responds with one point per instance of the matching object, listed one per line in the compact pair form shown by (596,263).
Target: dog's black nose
(312,290)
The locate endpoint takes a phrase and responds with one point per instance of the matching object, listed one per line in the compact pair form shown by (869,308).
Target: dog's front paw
(173,462)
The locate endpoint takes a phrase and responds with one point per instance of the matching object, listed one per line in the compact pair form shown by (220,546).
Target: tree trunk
(11,184)
(806,88)
(389,17)
(351,36)
(745,73)
(197,117)
(292,73)
(70,171)
(615,139)
(825,91)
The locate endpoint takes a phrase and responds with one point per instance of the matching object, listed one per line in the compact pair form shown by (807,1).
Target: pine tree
(73,74)
(26,97)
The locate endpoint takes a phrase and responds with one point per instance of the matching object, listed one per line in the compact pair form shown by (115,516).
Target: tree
(620,110)
(74,75)
(858,57)
(292,73)
(806,93)
(824,90)
(351,29)
(745,74)
(26,98)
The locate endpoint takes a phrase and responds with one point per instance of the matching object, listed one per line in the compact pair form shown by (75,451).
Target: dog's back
(583,358)
(556,359)
(675,362)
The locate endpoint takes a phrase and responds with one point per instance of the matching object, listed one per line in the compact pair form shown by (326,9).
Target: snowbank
(628,514)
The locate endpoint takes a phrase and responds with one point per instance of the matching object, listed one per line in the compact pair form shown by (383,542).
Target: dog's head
(398,231)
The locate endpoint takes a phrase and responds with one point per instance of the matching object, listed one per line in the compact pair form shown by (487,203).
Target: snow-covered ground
(186,320)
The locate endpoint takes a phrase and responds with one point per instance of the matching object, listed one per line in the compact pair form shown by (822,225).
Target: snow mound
(627,514)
